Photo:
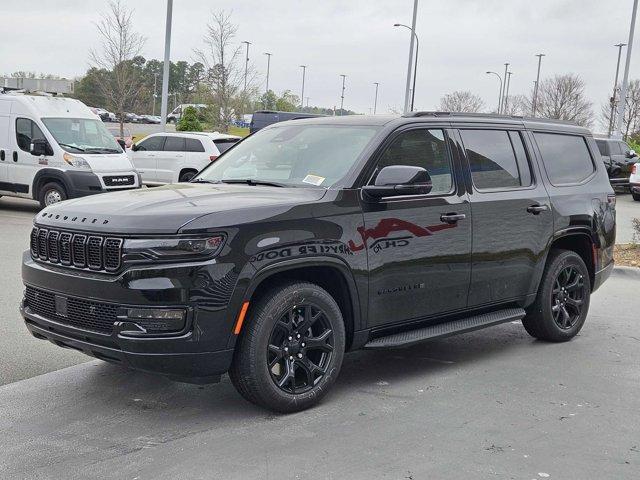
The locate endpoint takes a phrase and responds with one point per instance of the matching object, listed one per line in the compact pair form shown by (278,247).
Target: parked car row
(107,116)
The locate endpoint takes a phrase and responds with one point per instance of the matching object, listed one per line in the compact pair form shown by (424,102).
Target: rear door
(171,159)
(145,158)
(512,218)
(419,263)
(196,157)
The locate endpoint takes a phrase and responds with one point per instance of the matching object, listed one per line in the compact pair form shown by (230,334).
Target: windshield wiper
(103,150)
(202,180)
(253,182)
(71,146)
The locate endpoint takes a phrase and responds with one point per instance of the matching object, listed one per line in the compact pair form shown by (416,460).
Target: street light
(500,90)
(625,81)
(165,68)
(504,85)
(155,93)
(246,63)
(506,95)
(415,66)
(615,88)
(342,96)
(413,29)
(268,65)
(375,99)
(304,71)
(535,89)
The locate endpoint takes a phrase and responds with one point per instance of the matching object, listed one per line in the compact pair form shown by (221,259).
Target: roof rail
(486,115)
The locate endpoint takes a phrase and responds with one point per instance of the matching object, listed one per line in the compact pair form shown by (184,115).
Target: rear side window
(224,145)
(193,145)
(26,132)
(602,146)
(174,144)
(497,159)
(151,144)
(566,157)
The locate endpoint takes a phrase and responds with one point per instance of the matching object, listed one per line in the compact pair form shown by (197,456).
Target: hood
(108,162)
(165,210)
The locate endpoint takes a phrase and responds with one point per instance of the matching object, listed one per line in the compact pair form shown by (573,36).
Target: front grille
(78,250)
(118,181)
(84,314)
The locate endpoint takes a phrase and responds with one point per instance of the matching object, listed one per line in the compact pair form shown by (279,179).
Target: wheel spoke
(320,342)
(288,376)
(308,371)
(575,303)
(566,318)
(577,284)
(309,320)
(279,354)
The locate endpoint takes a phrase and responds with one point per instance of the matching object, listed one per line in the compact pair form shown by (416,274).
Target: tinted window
(151,144)
(602,146)
(174,144)
(422,148)
(193,145)
(224,145)
(26,132)
(624,148)
(566,157)
(492,159)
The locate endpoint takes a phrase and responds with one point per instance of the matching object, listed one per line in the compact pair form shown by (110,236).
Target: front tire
(51,193)
(636,196)
(187,176)
(291,348)
(562,304)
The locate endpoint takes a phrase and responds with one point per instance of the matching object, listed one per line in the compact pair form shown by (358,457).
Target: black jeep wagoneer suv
(319,236)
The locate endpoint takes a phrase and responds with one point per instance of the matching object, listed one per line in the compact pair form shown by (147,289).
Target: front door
(512,218)
(145,158)
(23,166)
(171,159)
(419,262)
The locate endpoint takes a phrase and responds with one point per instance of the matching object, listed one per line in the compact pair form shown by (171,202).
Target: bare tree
(225,75)
(461,101)
(563,97)
(517,105)
(120,45)
(631,120)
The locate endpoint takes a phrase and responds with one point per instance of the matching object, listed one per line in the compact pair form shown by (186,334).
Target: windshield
(293,155)
(82,135)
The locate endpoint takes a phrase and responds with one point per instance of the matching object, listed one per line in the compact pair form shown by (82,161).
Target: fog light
(157,320)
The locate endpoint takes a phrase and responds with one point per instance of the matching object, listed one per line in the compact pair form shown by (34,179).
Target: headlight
(77,162)
(172,248)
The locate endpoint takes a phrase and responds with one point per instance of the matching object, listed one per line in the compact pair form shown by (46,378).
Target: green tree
(189,121)
(287,102)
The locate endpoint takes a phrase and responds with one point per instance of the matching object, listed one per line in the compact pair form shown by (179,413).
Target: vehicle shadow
(19,205)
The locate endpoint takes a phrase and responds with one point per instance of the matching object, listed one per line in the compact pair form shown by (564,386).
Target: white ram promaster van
(54,148)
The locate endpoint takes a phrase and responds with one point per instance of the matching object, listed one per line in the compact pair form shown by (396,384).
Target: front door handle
(452,217)
(536,209)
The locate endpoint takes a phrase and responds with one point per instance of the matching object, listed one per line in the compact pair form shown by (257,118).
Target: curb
(627,272)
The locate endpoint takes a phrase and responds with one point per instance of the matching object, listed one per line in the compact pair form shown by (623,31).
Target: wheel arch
(327,272)
(581,242)
(47,175)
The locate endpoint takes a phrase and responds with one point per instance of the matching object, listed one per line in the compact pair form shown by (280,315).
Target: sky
(459,41)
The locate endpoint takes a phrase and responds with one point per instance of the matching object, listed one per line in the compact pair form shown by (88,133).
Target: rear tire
(562,304)
(291,348)
(636,196)
(51,193)
(187,175)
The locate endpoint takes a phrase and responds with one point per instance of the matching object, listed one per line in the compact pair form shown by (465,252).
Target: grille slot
(84,314)
(78,250)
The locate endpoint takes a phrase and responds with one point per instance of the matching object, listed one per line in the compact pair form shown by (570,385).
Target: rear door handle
(452,217)
(536,209)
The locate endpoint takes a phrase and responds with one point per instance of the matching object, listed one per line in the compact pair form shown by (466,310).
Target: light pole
(165,69)
(534,104)
(246,64)
(413,29)
(155,94)
(506,92)
(307,102)
(615,88)
(504,86)
(415,64)
(268,66)
(304,71)
(500,89)
(625,81)
(375,98)
(342,96)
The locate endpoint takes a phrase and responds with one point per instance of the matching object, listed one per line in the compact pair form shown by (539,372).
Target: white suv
(634,182)
(163,158)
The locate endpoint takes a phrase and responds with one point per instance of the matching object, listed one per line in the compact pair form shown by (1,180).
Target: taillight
(213,158)
(611,199)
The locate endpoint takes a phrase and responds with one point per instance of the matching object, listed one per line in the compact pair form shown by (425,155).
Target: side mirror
(40,147)
(398,180)
(632,154)
(122,144)
(134,147)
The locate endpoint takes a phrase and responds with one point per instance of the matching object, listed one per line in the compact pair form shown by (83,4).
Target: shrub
(189,121)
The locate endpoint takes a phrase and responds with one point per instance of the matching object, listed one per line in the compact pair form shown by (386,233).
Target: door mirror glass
(398,180)
(40,147)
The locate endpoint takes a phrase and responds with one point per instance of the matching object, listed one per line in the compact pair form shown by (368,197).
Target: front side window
(566,157)
(27,131)
(151,144)
(493,159)
(293,155)
(82,135)
(424,148)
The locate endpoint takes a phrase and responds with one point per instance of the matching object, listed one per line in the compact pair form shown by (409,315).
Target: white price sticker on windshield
(314,180)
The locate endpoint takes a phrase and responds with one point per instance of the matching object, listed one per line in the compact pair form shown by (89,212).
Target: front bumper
(198,354)
(81,184)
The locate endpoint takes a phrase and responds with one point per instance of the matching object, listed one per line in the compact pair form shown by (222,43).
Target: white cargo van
(54,148)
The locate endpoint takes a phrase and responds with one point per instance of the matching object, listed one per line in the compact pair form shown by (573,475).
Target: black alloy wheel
(567,297)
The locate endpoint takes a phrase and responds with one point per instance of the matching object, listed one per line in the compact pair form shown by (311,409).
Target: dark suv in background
(618,159)
(315,237)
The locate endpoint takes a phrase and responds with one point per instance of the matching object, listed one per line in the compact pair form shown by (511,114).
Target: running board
(440,330)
